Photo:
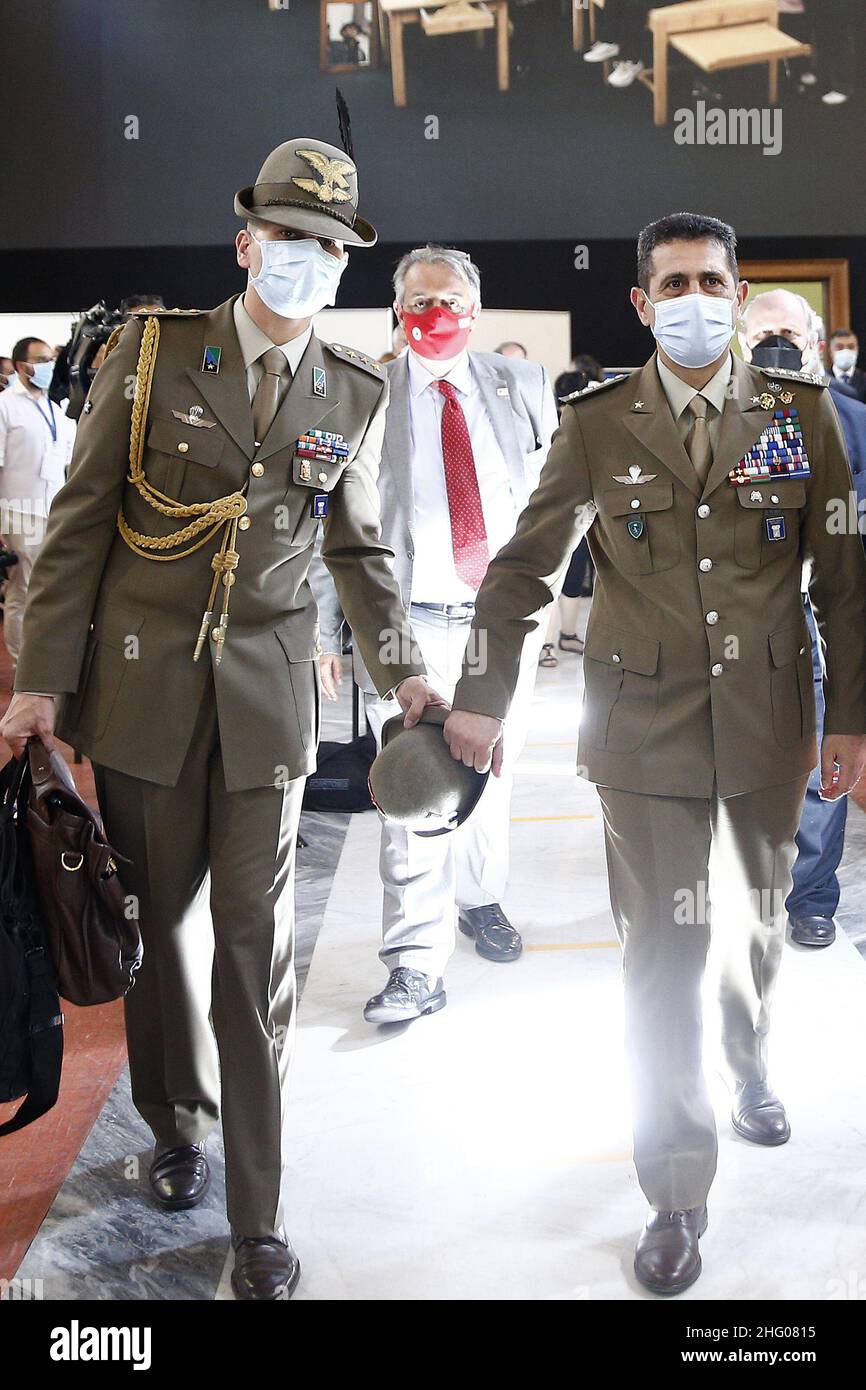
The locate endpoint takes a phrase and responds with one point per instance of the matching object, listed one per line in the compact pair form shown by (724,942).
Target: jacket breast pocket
(767,524)
(790,683)
(622,688)
(640,524)
(178,453)
(298,517)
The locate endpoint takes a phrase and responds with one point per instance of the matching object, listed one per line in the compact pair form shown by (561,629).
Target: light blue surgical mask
(42,374)
(297,278)
(693,329)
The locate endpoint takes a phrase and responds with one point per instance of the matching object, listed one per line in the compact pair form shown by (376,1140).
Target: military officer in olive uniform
(171,622)
(703,485)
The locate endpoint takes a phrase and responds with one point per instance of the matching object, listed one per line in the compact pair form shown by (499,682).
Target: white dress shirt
(434,575)
(253,343)
(33,465)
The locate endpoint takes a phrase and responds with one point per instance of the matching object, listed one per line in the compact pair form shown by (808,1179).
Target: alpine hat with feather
(310,187)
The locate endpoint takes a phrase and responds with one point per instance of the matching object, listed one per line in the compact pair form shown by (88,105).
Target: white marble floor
(483,1153)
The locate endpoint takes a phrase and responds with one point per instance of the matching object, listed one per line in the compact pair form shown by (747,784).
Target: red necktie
(468,535)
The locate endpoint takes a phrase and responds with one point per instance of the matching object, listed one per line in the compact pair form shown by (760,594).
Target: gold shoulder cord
(209,516)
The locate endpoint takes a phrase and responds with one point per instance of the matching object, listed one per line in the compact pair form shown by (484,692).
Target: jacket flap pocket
(115,625)
(778,492)
(639,497)
(623,649)
(299,644)
(195,442)
(787,644)
(310,473)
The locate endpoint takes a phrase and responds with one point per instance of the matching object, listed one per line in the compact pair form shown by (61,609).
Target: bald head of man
(778,314)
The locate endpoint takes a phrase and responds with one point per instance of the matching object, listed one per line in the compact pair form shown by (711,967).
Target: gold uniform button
(257,470)
(213,633)
(244,524)
(183,448)
(323,477)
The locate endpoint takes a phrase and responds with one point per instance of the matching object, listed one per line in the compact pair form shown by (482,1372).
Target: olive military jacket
(697,665)
(114,632)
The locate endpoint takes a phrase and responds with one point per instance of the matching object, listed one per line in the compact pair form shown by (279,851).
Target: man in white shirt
(36,440)
(466,435)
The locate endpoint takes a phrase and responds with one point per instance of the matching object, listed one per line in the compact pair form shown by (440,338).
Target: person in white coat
(36,440)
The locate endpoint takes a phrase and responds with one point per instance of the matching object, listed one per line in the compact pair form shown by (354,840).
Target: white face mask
(844,359)
(693,329)
(297,278)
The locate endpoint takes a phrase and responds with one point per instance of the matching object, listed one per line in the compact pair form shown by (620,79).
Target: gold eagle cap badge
(334,186)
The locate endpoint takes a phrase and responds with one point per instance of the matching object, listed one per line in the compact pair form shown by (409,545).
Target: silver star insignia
(635,476)
(638,405)
(756,400)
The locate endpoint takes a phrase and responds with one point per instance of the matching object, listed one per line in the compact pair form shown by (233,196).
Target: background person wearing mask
(780,329)
(698,725)
(36,440)
(844,348)
(466,435)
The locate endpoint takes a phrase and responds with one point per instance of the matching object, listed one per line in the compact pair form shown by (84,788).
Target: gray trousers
(210,1019)
(668,858)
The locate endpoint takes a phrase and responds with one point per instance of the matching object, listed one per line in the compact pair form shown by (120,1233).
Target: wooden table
(717,34)
(399,13)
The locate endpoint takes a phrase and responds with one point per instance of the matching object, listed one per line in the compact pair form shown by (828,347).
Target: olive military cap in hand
(416,783)
(310,187)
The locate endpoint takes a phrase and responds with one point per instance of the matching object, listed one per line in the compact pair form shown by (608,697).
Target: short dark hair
(684,226)
(22,347)
(842,333)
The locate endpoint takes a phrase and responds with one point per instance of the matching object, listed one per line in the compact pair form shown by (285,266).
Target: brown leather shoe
(179,1177)
(759,1115)
(265,1268)
(667,1259)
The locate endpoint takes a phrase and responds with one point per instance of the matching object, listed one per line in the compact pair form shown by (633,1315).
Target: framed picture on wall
(823,283)
(349,36)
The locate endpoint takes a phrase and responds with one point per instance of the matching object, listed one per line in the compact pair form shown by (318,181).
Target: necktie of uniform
(698,446)
(468,532)
(266,401)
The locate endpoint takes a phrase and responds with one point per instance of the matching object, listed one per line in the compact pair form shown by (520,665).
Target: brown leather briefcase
(91,927)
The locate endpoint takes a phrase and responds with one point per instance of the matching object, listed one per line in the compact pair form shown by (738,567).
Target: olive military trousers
(669,860)
(209,1021)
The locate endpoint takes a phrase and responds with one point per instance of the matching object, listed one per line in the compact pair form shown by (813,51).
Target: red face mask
(437,333)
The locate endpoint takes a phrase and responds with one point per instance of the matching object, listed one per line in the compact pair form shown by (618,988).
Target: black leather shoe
(813,931)
(759,1115)
(407,995)
(179,1177)
(667,1259)
(494,936)
(266,1268)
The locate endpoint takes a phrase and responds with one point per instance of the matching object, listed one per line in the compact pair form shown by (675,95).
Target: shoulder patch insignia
(356,358)
(810,378)
(594,387)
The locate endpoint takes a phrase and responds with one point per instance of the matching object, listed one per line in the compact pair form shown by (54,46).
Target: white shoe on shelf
(600,52)
(624,74)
